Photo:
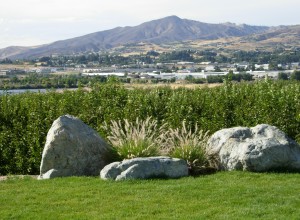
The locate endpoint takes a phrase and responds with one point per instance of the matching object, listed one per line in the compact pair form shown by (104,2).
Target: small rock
(145,168)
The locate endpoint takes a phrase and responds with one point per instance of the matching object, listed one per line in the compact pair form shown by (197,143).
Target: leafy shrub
(135,139)
(26,118)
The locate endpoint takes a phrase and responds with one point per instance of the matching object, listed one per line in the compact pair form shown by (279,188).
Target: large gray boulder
(73,149)
(261,148)
(145,168)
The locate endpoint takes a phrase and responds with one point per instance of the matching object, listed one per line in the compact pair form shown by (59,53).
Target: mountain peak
(172,17)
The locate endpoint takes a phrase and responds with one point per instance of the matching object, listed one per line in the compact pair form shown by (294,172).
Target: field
(171,85)
(225,195)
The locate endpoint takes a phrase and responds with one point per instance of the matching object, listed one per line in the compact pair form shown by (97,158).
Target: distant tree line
(38,81)
(253,57)
(294,76)
(221,78)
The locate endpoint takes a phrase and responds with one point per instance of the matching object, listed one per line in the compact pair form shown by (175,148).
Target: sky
(35,22)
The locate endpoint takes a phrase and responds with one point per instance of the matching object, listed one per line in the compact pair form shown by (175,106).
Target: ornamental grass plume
(141,138)
(190,145)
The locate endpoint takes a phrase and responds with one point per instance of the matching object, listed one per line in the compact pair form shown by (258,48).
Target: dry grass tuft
(144,138)
(190,145)
(141,138)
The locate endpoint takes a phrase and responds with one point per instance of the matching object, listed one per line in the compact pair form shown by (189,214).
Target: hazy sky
(34,22)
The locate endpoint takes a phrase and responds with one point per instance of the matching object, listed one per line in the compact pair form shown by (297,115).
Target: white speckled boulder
(261,148)
(73,149)
(145,168)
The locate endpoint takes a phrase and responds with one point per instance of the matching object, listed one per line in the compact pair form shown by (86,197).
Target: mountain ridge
(168,29)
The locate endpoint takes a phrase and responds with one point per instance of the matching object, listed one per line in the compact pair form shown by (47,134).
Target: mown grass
(225,195)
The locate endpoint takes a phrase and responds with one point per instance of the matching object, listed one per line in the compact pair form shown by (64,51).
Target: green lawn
(225,195)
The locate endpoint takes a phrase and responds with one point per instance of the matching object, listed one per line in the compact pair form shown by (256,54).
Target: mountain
(12,51)
(169,29)
(283,33)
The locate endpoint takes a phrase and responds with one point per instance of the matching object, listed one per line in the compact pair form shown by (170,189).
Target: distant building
(104,74)
(242,65)
(209,68)
(294,65)
(3,72)
(205,63)
(91,70)
(185,63)
(262,66)
(266,66)
(43,70)
(183,71)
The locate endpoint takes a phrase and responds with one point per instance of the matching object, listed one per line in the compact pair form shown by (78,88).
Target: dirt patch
(172,85)
(2,178)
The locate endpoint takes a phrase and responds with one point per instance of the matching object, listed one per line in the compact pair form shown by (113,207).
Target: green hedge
(26,118)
